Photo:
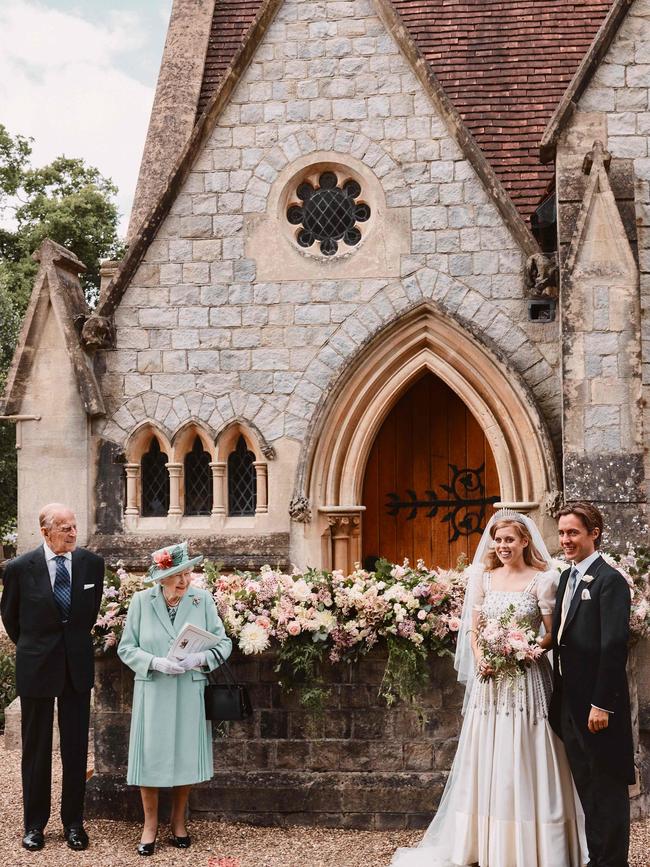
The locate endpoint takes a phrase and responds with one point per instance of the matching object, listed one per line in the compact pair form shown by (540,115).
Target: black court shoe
(180,842)
(147,848)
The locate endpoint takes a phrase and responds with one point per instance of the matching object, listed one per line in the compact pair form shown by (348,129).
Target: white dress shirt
(51,562)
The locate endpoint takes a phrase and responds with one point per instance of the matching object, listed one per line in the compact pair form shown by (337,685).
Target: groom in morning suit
(590,706)
(49,606)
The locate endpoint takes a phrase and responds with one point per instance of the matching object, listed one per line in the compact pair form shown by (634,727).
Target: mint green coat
(171,741)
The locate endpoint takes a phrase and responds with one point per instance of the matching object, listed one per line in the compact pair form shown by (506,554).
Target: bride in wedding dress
(509,799)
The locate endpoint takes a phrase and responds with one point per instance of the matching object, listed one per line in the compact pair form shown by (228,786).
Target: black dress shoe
(33,840)
(76,838)
(180,842)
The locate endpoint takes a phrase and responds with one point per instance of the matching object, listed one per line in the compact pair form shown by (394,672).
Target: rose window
(328,213)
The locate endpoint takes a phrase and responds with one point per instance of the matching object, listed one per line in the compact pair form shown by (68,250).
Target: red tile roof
(504,64)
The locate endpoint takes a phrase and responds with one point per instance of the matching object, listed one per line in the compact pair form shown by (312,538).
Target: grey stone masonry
(197,326)
(619,92)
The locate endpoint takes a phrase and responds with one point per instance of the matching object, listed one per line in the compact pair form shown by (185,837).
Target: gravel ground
(113,843)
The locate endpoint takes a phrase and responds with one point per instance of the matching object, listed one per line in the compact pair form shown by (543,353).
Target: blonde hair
(532,557)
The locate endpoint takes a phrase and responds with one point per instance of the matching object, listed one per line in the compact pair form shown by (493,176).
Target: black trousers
(605,800)
(37,717)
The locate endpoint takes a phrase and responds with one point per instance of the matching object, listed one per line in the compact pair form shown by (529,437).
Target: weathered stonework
(359,765)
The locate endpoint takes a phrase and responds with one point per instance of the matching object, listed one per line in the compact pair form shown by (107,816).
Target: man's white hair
(48,514)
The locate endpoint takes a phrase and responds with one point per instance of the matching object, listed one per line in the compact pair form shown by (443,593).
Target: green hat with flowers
(170,561)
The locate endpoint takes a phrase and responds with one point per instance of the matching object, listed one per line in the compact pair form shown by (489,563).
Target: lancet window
(242,480)
(198,480)
(155,482)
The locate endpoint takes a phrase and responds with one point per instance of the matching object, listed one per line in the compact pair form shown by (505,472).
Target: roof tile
(504,64)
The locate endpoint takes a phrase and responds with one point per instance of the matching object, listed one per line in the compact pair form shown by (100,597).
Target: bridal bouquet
(508,646)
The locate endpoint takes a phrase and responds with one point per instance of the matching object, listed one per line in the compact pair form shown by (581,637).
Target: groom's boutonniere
(585,594)
(588,578)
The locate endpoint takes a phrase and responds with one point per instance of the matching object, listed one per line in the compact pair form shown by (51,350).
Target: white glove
(192,660)
(166,666)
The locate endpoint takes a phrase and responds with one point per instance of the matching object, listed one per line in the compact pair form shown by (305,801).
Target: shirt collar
(583,565)
(50,555)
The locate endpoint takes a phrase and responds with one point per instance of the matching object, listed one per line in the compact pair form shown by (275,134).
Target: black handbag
(226,701)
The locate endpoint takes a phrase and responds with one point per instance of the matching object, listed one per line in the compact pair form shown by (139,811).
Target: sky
(78,76)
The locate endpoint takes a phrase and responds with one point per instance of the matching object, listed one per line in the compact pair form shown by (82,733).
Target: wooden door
(430,480)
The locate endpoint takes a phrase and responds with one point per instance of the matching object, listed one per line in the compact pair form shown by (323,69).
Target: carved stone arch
(478,317)
(227,437)
(184,436)
(140,437)
(336,450)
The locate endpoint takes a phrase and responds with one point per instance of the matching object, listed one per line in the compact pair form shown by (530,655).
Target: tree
(74,205)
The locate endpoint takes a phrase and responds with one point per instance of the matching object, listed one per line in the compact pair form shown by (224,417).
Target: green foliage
(67,201)
(7,677)
(406,675)
(299,666)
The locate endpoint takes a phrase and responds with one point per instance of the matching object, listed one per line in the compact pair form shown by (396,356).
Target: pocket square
(88,586)
(585,594)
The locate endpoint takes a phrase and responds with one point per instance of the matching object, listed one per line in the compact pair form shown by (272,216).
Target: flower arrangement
(508,646)
(634,565)
(314,618)
(119,587)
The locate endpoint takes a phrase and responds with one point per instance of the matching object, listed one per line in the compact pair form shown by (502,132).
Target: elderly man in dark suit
(590,707)
(49,606)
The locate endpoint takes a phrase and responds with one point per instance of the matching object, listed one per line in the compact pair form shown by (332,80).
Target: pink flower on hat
(163,559)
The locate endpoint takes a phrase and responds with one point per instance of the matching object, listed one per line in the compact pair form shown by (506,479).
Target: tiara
(509,514)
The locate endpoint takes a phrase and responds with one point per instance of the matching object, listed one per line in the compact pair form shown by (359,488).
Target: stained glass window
(155,482)
(198,481)
(242,481)
(328,213)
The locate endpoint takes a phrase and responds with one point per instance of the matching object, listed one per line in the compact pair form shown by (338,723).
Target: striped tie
(61,587)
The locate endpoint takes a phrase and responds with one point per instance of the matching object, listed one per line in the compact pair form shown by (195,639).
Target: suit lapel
(561,590)
(77,579)
(160,608)
(577,596)
(42,580)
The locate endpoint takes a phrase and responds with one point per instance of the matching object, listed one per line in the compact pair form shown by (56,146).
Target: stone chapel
(387,268)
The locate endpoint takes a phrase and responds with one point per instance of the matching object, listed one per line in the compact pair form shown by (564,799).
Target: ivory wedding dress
(509,800)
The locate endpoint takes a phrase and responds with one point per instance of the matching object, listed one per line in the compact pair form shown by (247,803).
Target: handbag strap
(227,670)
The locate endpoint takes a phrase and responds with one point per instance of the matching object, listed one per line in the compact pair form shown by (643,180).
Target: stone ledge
(235,552)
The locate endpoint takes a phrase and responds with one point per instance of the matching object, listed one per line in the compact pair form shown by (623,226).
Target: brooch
(196,601)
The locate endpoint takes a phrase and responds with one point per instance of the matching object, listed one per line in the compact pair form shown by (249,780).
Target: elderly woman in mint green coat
(171,741)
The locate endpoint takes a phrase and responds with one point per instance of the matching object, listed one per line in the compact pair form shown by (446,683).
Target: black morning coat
(593,654)
(44,644)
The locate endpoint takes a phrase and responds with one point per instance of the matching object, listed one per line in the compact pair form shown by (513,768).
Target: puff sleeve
(546,590)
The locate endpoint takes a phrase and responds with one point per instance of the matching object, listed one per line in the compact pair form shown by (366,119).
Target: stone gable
(200,335)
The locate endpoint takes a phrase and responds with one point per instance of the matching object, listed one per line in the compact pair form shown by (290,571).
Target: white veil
(464,658)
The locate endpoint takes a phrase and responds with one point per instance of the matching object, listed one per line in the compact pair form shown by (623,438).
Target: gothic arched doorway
(430,479)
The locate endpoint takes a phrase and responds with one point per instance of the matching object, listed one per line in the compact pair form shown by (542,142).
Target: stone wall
(202,332)
(618,100)
(359,765)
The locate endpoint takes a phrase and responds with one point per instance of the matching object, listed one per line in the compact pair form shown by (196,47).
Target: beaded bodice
(530,693)
(525,603)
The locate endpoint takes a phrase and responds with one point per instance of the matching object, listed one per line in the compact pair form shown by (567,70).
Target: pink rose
(163,559)
(293,628)
(454,624)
